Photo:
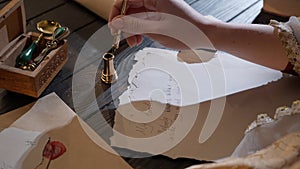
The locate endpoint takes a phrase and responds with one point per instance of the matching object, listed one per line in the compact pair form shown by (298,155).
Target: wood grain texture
(249,14)
(69,14)
(190,2)
(35,8)
(223,9)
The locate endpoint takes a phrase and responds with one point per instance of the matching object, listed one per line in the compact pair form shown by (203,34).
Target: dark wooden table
(83,24)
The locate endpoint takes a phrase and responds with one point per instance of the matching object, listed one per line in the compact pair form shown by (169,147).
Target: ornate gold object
(58,36)
(47,26)
(109,74)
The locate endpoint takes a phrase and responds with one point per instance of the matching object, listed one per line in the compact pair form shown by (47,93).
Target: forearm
(255,43)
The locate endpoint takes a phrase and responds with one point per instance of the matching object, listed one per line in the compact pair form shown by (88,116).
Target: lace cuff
(287,32)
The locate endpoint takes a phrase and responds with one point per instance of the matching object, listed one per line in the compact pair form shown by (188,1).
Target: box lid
(12,22)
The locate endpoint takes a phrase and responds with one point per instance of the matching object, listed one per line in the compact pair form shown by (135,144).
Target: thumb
(133,25)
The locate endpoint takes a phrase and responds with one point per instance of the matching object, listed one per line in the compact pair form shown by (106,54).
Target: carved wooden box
(13,41)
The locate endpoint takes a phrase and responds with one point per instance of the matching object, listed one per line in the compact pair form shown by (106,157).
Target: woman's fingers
(134,24)
(132,5)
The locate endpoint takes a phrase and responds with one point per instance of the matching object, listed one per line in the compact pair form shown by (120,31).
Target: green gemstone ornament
(26,56)
(58,32)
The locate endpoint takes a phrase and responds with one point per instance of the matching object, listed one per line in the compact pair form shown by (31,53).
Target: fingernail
(118,23)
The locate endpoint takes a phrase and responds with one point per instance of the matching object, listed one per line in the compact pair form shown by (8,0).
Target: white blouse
(289,34)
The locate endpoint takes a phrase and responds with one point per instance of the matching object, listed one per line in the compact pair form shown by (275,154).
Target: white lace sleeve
(289,34)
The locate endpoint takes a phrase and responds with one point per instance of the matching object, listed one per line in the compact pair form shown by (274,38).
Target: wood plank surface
(69,14)
(190,2)
(249,14)
(223,9)
(35,8)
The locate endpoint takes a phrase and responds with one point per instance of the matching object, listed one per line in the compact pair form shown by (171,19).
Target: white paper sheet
(150,125)
(48,113)
(159,76)
(14,145)
(23,135)
(22,142)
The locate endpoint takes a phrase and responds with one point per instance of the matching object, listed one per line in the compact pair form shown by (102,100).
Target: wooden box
(14,40)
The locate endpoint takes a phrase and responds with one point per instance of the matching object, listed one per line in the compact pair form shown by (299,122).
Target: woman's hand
(175,24)
(169,22)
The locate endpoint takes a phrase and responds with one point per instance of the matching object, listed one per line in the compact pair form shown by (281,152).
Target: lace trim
(289,42)
(263,119)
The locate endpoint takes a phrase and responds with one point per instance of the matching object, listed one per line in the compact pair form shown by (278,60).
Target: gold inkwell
(109,74)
